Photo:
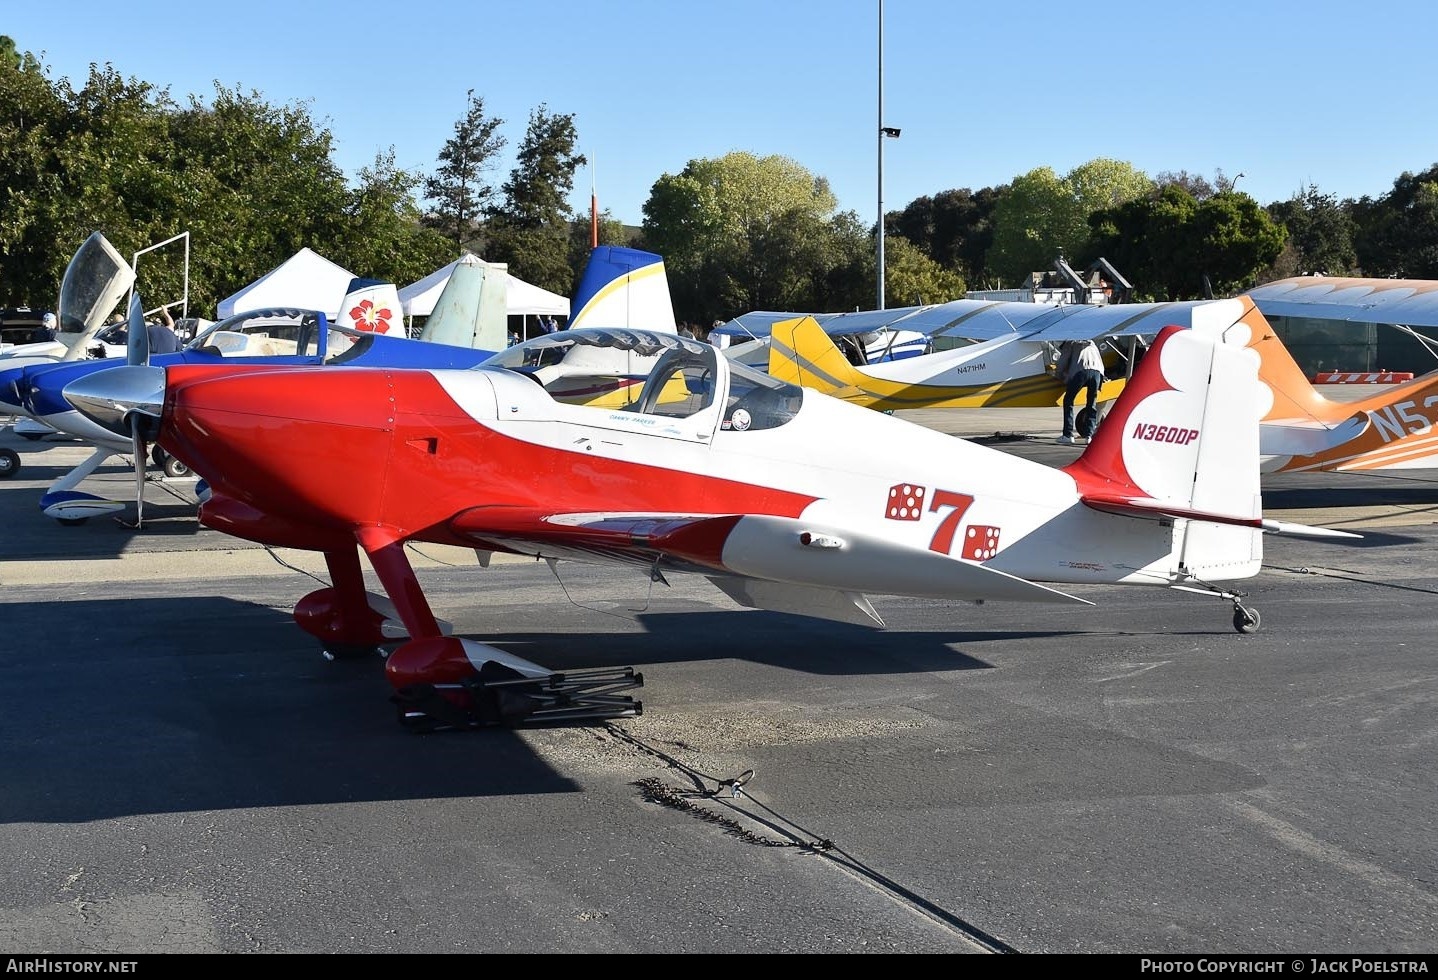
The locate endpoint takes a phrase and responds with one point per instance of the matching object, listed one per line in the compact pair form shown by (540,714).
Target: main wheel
(9,463)
(173,468)
(1246,620)
(1087,421)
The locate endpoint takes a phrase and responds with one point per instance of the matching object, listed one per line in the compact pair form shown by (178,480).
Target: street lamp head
(890,131)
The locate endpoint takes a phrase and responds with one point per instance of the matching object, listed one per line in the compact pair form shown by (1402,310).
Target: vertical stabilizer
(1184,433)
(372,305)
(801,353)
(623,287)
(473,309)
(1181,445)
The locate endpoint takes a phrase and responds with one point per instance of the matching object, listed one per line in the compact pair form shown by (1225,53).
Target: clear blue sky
(1332,94)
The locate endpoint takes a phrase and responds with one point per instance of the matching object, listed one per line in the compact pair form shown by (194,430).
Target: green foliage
(1043,216)
(740,233)
(911,278)
(383,236)
(530,230)
(954,228)
(1398,234)
(1167,244)
(458,189)
(1235,241)
(1320,230)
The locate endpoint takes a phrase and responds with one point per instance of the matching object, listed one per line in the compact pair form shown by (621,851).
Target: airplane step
(512,701)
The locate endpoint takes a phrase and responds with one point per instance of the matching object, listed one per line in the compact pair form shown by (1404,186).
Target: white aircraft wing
(973,319)
(786,563)
(1409,302)
(1076,322)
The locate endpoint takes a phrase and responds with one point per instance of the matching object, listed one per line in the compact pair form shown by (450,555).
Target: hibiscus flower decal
(367,316)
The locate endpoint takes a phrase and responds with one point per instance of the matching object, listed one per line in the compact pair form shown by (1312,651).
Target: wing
(785,563)
(1075,322)
(1410,302)
(973,319)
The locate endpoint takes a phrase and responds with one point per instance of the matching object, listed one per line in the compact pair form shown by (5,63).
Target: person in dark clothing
(162,334)
(1080,366)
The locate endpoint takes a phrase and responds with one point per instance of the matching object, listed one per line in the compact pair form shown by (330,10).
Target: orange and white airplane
(1394,428)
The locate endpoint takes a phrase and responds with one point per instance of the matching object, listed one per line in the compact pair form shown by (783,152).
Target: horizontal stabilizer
(1151,509)
(1306,437)
(1305,530)
(801,600)
(1161,510)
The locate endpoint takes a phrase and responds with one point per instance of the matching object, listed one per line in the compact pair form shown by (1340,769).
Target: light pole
(888,132)
(1234,182)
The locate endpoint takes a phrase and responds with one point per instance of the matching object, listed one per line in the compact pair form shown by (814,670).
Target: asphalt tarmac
(182,772)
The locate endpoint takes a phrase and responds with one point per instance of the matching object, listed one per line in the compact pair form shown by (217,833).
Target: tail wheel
(1246,620)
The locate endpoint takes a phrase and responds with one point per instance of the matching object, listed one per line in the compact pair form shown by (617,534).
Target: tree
(1167,244)
(262,184)
(1235,240)
(954,228)
(383,236)
(911,278)
(1043,216)
(1320,231)
(738,232)
(1398,233)
(1196,185)
(530,230)
(457,188)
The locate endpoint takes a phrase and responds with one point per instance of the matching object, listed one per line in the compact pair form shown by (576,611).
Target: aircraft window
(681,384)
(262,333)
(758,401)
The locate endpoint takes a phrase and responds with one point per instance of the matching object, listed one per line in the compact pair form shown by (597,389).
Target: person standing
(162,334)
(1080,367)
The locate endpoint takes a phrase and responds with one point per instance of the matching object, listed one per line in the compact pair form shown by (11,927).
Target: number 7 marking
(944,535)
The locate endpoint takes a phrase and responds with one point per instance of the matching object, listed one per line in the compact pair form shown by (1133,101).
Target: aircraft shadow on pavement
(775,639)
(30,535)
(157,705)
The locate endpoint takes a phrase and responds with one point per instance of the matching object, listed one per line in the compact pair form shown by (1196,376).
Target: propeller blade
(137,341)
(137,446)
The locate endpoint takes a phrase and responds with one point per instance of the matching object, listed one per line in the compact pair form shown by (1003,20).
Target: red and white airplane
(719,470)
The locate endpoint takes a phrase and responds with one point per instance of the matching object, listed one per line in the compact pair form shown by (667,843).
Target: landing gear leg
(1245,618)
(340,617)
(446,682)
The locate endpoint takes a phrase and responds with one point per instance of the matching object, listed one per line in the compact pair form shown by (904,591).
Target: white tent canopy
(524,299)
(306,280)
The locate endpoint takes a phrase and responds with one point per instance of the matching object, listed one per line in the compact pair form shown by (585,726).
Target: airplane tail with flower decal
(372,305)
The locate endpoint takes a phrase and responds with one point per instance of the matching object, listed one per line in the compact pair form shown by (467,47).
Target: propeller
(137,354)
(128,399)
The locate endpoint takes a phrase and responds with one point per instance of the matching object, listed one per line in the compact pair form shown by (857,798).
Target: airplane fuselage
(405,451)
